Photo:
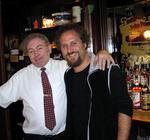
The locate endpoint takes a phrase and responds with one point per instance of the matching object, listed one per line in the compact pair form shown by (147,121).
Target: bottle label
(145,101)
(136,99)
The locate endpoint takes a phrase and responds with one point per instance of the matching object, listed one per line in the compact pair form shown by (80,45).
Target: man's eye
(73,43)
(40,48)
(64,46)
(30,52)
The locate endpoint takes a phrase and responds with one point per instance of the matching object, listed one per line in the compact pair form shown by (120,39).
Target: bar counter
(141,124)
(141,115)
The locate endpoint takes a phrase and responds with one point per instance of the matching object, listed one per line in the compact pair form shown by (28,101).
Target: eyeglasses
(36,49)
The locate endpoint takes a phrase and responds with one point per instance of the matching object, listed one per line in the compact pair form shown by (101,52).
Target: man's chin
(38,65)
(73,64)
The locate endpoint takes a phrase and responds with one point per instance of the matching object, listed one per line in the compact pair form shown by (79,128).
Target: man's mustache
(71,53)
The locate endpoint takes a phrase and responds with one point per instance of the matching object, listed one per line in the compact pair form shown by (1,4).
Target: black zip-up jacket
(108,97)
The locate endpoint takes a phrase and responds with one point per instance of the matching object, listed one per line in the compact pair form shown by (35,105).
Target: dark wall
(4,114)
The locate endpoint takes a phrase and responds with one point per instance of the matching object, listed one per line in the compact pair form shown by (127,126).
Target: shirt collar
(47,66)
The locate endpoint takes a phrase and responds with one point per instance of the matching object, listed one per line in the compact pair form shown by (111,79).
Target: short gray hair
(30,37)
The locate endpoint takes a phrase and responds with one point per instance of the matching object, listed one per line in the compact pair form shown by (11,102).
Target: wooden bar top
(141,115)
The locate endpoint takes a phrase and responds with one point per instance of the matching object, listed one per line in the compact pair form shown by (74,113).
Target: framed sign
(133,39)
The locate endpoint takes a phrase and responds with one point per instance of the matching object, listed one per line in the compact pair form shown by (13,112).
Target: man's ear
(50,48)
(85,45)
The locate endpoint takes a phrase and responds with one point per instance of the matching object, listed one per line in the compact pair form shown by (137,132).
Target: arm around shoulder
(104,59)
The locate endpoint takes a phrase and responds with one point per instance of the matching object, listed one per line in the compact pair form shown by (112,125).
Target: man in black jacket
(99,107)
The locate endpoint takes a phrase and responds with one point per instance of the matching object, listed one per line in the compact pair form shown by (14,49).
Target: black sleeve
(121,100)
(69,128)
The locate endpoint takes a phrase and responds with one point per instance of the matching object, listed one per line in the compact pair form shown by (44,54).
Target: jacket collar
(93,65)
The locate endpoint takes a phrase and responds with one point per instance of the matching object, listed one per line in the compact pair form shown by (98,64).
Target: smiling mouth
(38,59)
(72,54)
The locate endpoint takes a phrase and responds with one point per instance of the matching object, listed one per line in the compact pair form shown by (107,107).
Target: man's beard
(74,63)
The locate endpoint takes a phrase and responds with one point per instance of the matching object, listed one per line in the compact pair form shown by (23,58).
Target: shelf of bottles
(137,71)
(55,16)
(14,56)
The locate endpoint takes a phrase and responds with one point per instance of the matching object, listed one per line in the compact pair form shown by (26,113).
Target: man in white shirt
(26,85)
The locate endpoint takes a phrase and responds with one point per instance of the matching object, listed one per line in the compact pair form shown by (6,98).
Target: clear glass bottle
(145,98)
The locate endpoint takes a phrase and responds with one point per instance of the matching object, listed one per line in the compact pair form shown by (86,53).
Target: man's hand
(104,59)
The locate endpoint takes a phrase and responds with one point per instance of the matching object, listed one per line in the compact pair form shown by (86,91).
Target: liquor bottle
(148,69)
(136,88)
(144,75)
(129,81)
(145,98)
(136,96)
(35,24)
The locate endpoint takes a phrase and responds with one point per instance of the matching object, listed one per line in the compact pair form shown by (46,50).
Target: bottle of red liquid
(136,88)
(35,24)
(136,96)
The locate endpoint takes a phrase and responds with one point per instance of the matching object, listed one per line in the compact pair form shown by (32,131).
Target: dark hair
(30,37)
(75,27)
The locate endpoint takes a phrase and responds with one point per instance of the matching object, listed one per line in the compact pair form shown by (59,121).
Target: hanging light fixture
(147,34)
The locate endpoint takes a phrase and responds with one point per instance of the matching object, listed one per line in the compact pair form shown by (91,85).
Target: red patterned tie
(50,121)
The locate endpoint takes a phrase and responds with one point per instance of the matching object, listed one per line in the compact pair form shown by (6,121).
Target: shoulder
(112,70)
(69,71)
(25,69)
(114,67)
(60,63)
(22,73)
(57,67)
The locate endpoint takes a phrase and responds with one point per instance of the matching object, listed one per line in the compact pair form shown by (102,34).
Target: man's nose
(35,52)
(70,48)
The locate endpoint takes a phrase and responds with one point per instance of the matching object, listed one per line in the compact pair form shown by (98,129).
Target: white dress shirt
(26,85)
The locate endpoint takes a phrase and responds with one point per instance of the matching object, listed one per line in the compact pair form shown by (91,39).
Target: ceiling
(111,3)
(10,6)
(14,10)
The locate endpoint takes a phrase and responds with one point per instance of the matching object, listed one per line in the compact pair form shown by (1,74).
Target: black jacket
(108,97)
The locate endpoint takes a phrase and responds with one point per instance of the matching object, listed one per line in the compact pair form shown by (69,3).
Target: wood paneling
(99,25)
(4,113)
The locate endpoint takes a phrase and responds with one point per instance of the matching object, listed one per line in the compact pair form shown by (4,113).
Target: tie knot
(43,69)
